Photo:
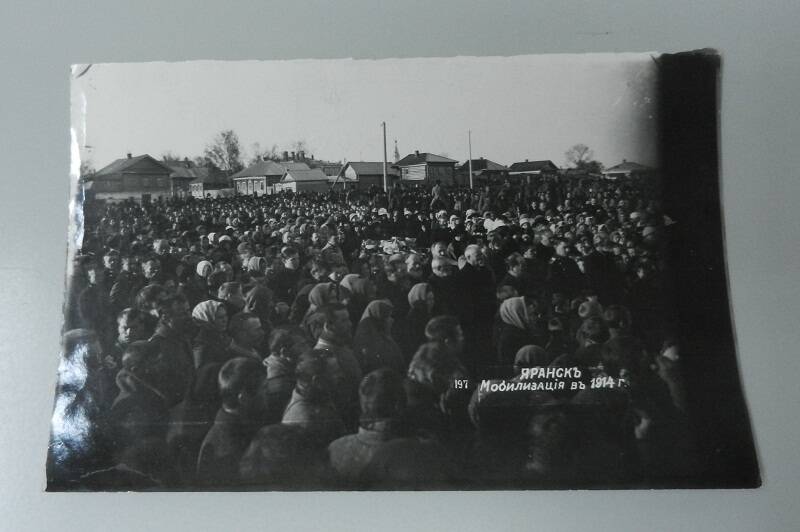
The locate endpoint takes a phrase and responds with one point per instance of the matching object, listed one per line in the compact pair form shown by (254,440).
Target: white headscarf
(514,312)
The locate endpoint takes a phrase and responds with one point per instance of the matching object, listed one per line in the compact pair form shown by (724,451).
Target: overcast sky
(521,107)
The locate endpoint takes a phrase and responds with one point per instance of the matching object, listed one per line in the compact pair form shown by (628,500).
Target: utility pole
(469,137)
(385,186)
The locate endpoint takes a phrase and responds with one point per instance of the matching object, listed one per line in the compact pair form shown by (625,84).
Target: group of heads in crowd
(360,340)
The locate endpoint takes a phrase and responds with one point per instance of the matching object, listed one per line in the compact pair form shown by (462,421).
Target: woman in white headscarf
(211,343)
(514,331)
(196,287)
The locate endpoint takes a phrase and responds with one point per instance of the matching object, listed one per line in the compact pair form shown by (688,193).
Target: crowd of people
(372,340)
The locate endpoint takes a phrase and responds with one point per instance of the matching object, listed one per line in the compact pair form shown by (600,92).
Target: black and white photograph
(439,273)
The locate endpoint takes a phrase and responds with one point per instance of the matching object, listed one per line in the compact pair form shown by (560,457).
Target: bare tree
(171,157)
(578,154)
(261,154)
(225,152)
(581,157)
(300,145)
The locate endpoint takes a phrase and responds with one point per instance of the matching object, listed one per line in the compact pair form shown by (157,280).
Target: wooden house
(483,171)
(426,168)
(627,169)
(259,179)
(303,180)
(533,168)
(362,175)
(141,178)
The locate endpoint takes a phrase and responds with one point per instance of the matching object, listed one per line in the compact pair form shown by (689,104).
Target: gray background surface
(761,127)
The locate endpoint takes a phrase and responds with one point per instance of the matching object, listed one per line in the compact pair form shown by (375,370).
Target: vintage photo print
(460,273)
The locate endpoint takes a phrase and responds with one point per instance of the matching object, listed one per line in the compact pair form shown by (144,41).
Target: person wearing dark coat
(336,339)
(318,272)
(591,335)
(299,307)
(446,289)
(285,456)
(259,302)
(514,331)
(373,344)
(362,291)
(192,418)
(564,275)
(478,308)
(412,464)
(283,281)
(110,268)
(168,262)
(515,276)
(141,410)
(237,421)
(382,399)
(602,275)
(410,332)
(321,295)
(500,417)
(281,363)
(311,405)
(175,359)
(440,232)
(210,343)
(394,286)
(247,336)
(196,287)
(130,328)
(94,307)
(126,285)
(437,406)
(537,267)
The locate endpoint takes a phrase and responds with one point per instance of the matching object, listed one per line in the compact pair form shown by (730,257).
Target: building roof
(532,166)
(294,165)
(483,164)
(262,168)
(368,168)
(314,174)
(627,166)
(187,170)
(422,158)
(121,165)
(329,169)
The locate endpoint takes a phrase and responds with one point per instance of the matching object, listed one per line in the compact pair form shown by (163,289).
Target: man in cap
(172,340)
(312,405)
(168,262)
(446,289)
(564,275)
(283,280)
(479,303)
(382,399)
(440,231)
